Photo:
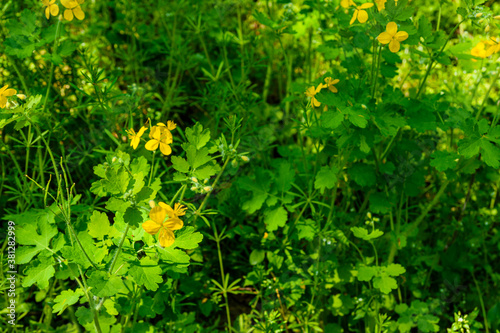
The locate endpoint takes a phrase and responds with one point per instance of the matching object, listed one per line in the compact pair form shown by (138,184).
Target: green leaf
(257,256)
(329,98)
(424,27)
(326,178)
(395,270)
(39,271)
(443,160)
(363,174)
(173,255)
(180,164)
(197,136)
(332,119)
(306,229)
(469,147)
(490,154)
(66,48)
(99,226)
(366,273)
(117,205)
(104,285)
(187,239)
(275,218)
(133,216)
(358,117)
(197,158)
(29,234)
(75,254)
(385,283)
(65,299)
(147,273)
(285,176)
(84,315)
(363,233)
(259,188)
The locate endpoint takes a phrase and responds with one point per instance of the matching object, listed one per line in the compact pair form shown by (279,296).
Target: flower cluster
(312,91)
(165,219)
(72,9)
(484,49)
(160,137)
(200,187)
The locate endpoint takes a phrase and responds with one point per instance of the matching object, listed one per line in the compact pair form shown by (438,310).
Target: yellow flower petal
(362,16)
(135,142)
(401,36)
(3,89)
(3,102)
(151,227)
(391,28)
(158,214)
(152,145)
(179,209)
(366,5)
(333,89)
(315,102)
(354,16)
(166,238)
(165,149)
(79,13)
(47,13)
(171,125)
(54,10)
(384,38)
(173,223)
(394,46)
(310,92)
(9,92)
(68,15)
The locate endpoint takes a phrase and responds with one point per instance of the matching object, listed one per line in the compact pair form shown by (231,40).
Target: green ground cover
(250,166)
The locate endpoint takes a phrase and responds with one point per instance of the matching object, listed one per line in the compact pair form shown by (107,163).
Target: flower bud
(496,17)
(234,163)
(207,188)
(113,160)
(245,159)
(487,28)
(194,179)
(205,181)
(265,235)
(193,188)
(21,96)
(152,204)
(479,15)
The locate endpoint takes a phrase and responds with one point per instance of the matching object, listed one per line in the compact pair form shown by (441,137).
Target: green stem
(419,220)
(481,108)
(483,310)
(51,76)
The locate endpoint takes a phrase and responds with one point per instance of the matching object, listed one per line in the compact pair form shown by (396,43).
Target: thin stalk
(481,108)
(51,76)
(483,310)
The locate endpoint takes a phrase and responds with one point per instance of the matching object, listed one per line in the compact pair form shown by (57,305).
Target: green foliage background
(378,213)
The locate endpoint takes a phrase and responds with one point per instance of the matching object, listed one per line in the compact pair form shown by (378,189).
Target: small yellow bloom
(494,46)
(51,8)
(73,9)
(160,222)
(160,137)
(392,37)
(331,84)
(311,92)
(347,3)
(135,138)
(4,93)
(479,51)
(178,210)
(360,13)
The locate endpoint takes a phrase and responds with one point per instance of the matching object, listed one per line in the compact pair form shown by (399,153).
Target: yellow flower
(360,14)
(135,138)
(4,93)
(178,210)
(381,4)
(311,92)
(160,137)
(392,37)
(170,125)
(51,8)
(479,51)
(331,84)
(494,46)
(73,9)
(160,222)
(347,3)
